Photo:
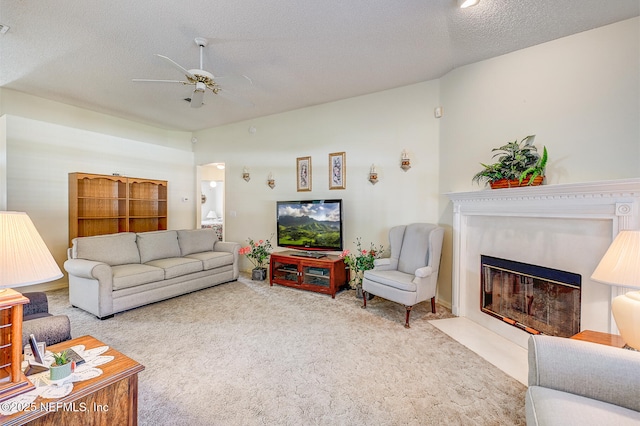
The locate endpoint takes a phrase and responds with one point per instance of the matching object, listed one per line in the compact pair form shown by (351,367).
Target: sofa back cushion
(112,249)
(196,240)
(157,245)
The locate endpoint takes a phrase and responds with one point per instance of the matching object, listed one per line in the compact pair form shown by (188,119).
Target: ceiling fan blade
(198,95)
(146,80)
(235,98)
(234,80)
(178,66)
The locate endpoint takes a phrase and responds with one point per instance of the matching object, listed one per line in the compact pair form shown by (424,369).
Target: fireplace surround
(564,226)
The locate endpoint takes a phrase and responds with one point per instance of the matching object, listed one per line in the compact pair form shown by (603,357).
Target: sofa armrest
(587,369)
(228,246)
(88,269)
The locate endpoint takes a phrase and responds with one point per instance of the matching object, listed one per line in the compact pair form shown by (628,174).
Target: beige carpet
(244,353)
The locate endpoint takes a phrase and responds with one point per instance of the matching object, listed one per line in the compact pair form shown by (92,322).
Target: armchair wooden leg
(364,300)
(433,305)
(406,323)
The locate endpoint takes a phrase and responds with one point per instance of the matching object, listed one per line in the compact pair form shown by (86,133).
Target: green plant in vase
(62,367)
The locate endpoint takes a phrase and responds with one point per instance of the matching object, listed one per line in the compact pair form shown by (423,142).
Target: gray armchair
(37,320)
(410,275)
(572,382)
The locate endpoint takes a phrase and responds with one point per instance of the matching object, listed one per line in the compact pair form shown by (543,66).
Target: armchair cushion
(37,307)
(415,247)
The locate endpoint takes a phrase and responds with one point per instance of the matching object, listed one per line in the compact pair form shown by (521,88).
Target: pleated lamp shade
(620,266)
(24,257)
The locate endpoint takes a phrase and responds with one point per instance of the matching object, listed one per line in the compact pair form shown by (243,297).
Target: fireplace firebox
(533,298)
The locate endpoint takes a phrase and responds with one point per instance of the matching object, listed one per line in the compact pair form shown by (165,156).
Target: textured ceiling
(296,53)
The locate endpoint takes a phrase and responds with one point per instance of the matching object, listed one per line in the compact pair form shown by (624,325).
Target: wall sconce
(373,175)
(271,181)
(245,174)
(405,163)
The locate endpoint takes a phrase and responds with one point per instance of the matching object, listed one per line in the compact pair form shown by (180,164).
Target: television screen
(310,225)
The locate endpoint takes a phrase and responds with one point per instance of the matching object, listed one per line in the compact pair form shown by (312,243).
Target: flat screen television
(310,224)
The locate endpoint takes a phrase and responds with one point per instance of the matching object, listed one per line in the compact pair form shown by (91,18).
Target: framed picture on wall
(337,170)
(303,171)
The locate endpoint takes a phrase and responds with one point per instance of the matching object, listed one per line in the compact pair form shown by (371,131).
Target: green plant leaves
(515,161)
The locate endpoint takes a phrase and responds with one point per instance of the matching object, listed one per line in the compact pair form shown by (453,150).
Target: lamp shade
(24,257)
(212,215)
(620,265)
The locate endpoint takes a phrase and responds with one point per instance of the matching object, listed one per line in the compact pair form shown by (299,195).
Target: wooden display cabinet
(104,204)
(321,275)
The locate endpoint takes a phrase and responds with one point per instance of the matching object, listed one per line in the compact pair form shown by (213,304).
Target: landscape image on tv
(310,225)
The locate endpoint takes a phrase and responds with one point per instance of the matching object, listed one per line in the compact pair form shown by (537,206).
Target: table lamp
(24,260)
(620,266)
(212,215)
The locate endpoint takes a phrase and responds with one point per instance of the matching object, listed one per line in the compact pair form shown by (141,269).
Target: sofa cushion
(157,245)
(196,240)
(176,266)
(213,259)
(125,276)
(112,249)
(546,406)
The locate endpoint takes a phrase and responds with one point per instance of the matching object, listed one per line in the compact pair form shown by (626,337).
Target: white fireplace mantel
(585,206)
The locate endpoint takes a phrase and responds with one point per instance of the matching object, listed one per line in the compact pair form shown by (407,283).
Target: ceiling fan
(201,79)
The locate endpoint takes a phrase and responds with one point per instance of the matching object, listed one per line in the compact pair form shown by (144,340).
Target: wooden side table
(109,399)
(601,338)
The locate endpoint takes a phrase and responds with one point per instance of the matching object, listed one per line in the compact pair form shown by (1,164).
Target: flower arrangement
(360,261)
(257,252)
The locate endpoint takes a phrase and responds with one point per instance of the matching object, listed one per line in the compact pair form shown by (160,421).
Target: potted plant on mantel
(519,164)
(258,253)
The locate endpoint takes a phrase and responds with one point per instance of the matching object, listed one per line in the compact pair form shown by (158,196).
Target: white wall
(40,156)
(371,129)
(580,96)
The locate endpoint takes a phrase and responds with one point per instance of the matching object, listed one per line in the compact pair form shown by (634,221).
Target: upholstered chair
(37,320)
(410,275)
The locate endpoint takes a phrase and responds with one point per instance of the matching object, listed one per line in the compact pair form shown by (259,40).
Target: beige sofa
(116,272)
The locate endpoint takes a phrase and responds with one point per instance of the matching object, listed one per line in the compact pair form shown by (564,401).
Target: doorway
(210,211)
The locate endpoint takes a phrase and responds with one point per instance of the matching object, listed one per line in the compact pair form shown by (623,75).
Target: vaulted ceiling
(295,53)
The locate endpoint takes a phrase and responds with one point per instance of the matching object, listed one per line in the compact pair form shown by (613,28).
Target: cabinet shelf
(104,204)
(323,275)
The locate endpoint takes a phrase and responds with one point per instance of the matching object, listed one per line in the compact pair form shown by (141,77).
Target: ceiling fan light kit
(201,79)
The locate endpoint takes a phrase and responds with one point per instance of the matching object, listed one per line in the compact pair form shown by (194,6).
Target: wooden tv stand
(323,275)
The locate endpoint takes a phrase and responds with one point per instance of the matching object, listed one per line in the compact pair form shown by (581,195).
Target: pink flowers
(360,261)
(257,253)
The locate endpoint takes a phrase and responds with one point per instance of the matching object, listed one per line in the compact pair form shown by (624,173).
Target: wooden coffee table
(109,399)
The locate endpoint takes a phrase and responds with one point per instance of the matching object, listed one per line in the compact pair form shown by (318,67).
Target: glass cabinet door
(313,275)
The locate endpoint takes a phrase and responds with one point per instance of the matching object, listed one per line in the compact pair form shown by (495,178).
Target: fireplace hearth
(533,298)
